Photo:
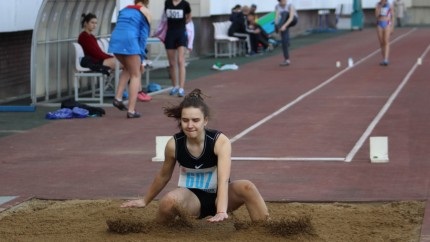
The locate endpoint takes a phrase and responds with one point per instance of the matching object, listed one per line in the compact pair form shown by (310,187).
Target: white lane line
(288,158)
(384,109)
(308,93)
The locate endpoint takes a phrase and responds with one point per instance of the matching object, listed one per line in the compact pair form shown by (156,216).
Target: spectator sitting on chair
(261,36)
(236,13)
(254,11)
(92,49)
(238,28)
(89,42)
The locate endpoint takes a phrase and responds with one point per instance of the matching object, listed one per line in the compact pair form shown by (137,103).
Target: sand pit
(103,220)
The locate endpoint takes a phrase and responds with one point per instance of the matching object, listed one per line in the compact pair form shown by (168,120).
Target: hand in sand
(139,203)
(218,217)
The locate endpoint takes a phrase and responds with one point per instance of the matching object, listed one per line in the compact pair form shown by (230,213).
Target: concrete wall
(419,13)
(15,49)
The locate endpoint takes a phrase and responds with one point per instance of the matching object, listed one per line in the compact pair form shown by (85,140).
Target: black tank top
(205,160)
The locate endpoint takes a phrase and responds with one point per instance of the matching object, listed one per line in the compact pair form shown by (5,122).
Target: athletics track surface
(300,133)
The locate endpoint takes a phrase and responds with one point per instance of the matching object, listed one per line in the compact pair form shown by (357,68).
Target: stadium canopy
(57,27)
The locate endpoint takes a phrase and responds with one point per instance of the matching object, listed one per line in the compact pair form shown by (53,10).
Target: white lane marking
(308,93)
(382,112)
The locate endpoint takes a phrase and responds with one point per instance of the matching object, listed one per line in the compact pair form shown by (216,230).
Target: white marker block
(160,145)
(338,64)
(419,61)
(379,149)
(350,62)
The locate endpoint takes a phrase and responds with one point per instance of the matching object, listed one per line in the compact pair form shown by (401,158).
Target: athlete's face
(193,122)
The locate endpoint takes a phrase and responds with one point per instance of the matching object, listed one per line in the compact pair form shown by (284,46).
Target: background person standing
(128,43)
(400,12)
(285,17)
(178,13)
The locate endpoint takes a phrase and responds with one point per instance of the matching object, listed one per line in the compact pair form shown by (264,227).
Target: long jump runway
(299,132)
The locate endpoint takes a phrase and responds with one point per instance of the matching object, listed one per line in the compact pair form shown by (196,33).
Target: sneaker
(181,93)
(174,91)
(285,63)
(133,114)
(143,97)
(384,63)
(119,104)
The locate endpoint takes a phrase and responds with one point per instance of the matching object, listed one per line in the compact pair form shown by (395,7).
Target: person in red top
(92,49)
(89,42)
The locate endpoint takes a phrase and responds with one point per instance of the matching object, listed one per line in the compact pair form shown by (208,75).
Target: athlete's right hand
(139,203)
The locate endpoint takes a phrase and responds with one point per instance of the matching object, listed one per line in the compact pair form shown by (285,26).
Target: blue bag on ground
(80,112)
(153,87)
(64,113)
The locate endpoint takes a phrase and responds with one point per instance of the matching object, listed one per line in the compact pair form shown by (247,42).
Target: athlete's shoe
(285,63)
(384,63)
(133,115)
(181,93)
(143,97)
(174,91)
(119,104)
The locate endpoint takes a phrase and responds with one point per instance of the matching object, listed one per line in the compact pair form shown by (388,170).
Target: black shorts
(175,38)
(207,202)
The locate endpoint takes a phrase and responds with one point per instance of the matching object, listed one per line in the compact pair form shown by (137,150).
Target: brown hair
(144,2)
(87,18)
(193,99)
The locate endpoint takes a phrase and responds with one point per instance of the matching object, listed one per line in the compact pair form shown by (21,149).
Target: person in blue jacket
(128,44)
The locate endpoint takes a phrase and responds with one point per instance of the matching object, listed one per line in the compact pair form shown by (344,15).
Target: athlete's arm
(377,11)
(223,151)
(188,18)
(161,179)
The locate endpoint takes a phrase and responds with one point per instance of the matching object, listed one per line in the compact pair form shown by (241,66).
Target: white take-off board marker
(379,149)
(350,62)
(160,145)
(338,64)
(419,61)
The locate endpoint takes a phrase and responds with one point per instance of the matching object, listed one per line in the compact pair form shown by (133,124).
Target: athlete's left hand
(218,217)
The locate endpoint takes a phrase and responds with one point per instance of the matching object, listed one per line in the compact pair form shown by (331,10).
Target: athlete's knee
(247,188)
(168,203)
(250,187)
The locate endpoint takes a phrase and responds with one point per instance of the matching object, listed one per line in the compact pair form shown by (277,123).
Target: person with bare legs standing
(384,13)
(128,43)
(178,13)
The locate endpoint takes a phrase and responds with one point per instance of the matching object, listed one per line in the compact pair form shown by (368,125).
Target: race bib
(384,11)
(175,13)
(203,179)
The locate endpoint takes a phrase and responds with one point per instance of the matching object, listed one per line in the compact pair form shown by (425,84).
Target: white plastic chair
(221,37)
(93,76)
(105,43)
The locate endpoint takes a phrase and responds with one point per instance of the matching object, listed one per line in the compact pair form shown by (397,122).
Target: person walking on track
(384,13)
